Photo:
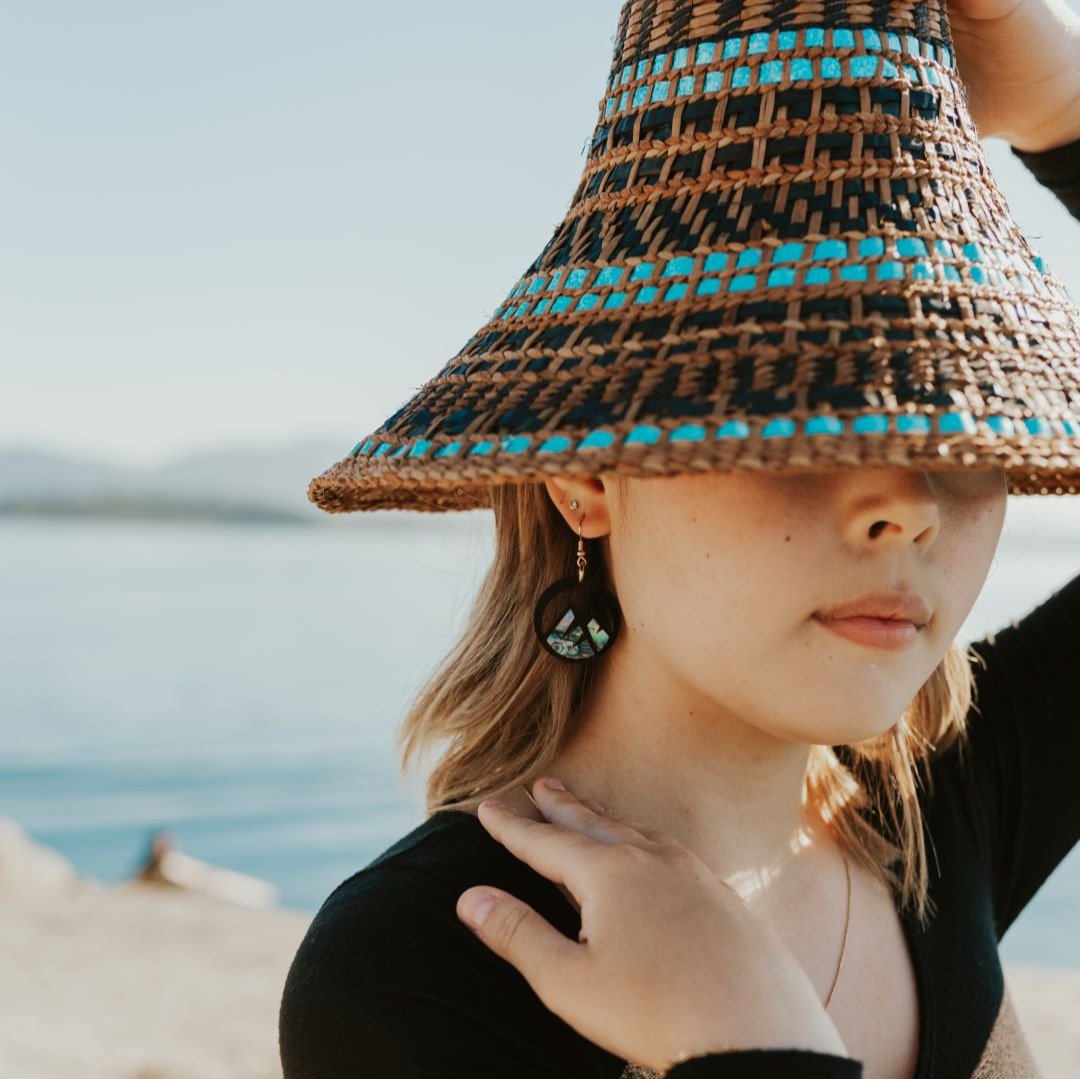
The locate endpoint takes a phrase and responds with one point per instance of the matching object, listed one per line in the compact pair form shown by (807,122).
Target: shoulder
(414,884)
(388,970)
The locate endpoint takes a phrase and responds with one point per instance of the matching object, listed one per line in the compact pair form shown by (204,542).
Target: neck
(723,788)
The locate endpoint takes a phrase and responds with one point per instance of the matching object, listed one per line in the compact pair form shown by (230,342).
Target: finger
(654,835)
(563,807)
(513,930)
(561,853)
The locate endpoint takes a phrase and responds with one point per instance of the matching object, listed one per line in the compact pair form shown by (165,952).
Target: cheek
(963,557)
(717,609)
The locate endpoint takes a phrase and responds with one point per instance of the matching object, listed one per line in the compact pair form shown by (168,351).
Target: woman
(756,869)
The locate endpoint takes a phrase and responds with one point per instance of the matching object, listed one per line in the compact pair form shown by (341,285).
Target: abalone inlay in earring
(576,619)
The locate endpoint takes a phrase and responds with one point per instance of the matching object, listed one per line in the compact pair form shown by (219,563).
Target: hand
(1020,63)
(669,962)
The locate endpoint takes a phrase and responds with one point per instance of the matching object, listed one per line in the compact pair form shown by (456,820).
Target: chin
(835,734)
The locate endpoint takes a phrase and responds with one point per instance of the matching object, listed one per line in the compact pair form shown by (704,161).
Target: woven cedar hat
(786,251)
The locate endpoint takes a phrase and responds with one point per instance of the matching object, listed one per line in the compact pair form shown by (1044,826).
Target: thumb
(513,930)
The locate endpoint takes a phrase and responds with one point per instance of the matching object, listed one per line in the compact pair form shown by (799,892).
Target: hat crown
(786,250)
(703,95)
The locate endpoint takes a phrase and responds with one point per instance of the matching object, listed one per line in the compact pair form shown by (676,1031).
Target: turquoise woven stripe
(798,69)
(836,64)
(867,259)
(826,424)
(746,45)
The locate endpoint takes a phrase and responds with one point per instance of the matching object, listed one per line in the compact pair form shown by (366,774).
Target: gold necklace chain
(847,922)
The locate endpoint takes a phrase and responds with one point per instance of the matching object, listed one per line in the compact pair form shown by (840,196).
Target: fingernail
(476,906)
(553,784)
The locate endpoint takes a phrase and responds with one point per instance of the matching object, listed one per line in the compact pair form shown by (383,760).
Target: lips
(893,605)
(884,633)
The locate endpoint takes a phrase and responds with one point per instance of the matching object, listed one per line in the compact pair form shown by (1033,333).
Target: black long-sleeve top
(1058,170)
(389,984)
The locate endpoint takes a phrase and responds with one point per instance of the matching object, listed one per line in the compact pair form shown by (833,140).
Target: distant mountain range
(266,486)
(270,486)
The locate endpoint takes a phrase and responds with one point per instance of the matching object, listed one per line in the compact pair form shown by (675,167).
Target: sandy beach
(143,981)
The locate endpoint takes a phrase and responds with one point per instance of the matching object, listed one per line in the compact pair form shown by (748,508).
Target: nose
(893,506)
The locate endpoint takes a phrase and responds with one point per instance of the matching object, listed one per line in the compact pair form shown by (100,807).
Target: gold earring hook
(581,563)
(580,552)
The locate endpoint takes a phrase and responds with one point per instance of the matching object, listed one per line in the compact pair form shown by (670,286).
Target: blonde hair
(505,708)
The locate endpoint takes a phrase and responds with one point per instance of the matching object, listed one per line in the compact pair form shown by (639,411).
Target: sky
(232,224)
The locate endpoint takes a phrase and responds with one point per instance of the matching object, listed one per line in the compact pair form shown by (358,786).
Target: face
(719,576)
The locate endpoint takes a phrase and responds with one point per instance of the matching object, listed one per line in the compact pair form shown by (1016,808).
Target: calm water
(240,686)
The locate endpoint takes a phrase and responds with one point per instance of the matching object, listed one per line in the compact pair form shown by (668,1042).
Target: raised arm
(1024,747)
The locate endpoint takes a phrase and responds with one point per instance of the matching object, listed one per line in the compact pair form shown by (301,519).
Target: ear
(593,498)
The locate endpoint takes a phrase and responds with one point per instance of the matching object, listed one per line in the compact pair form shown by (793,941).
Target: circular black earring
(575,619)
